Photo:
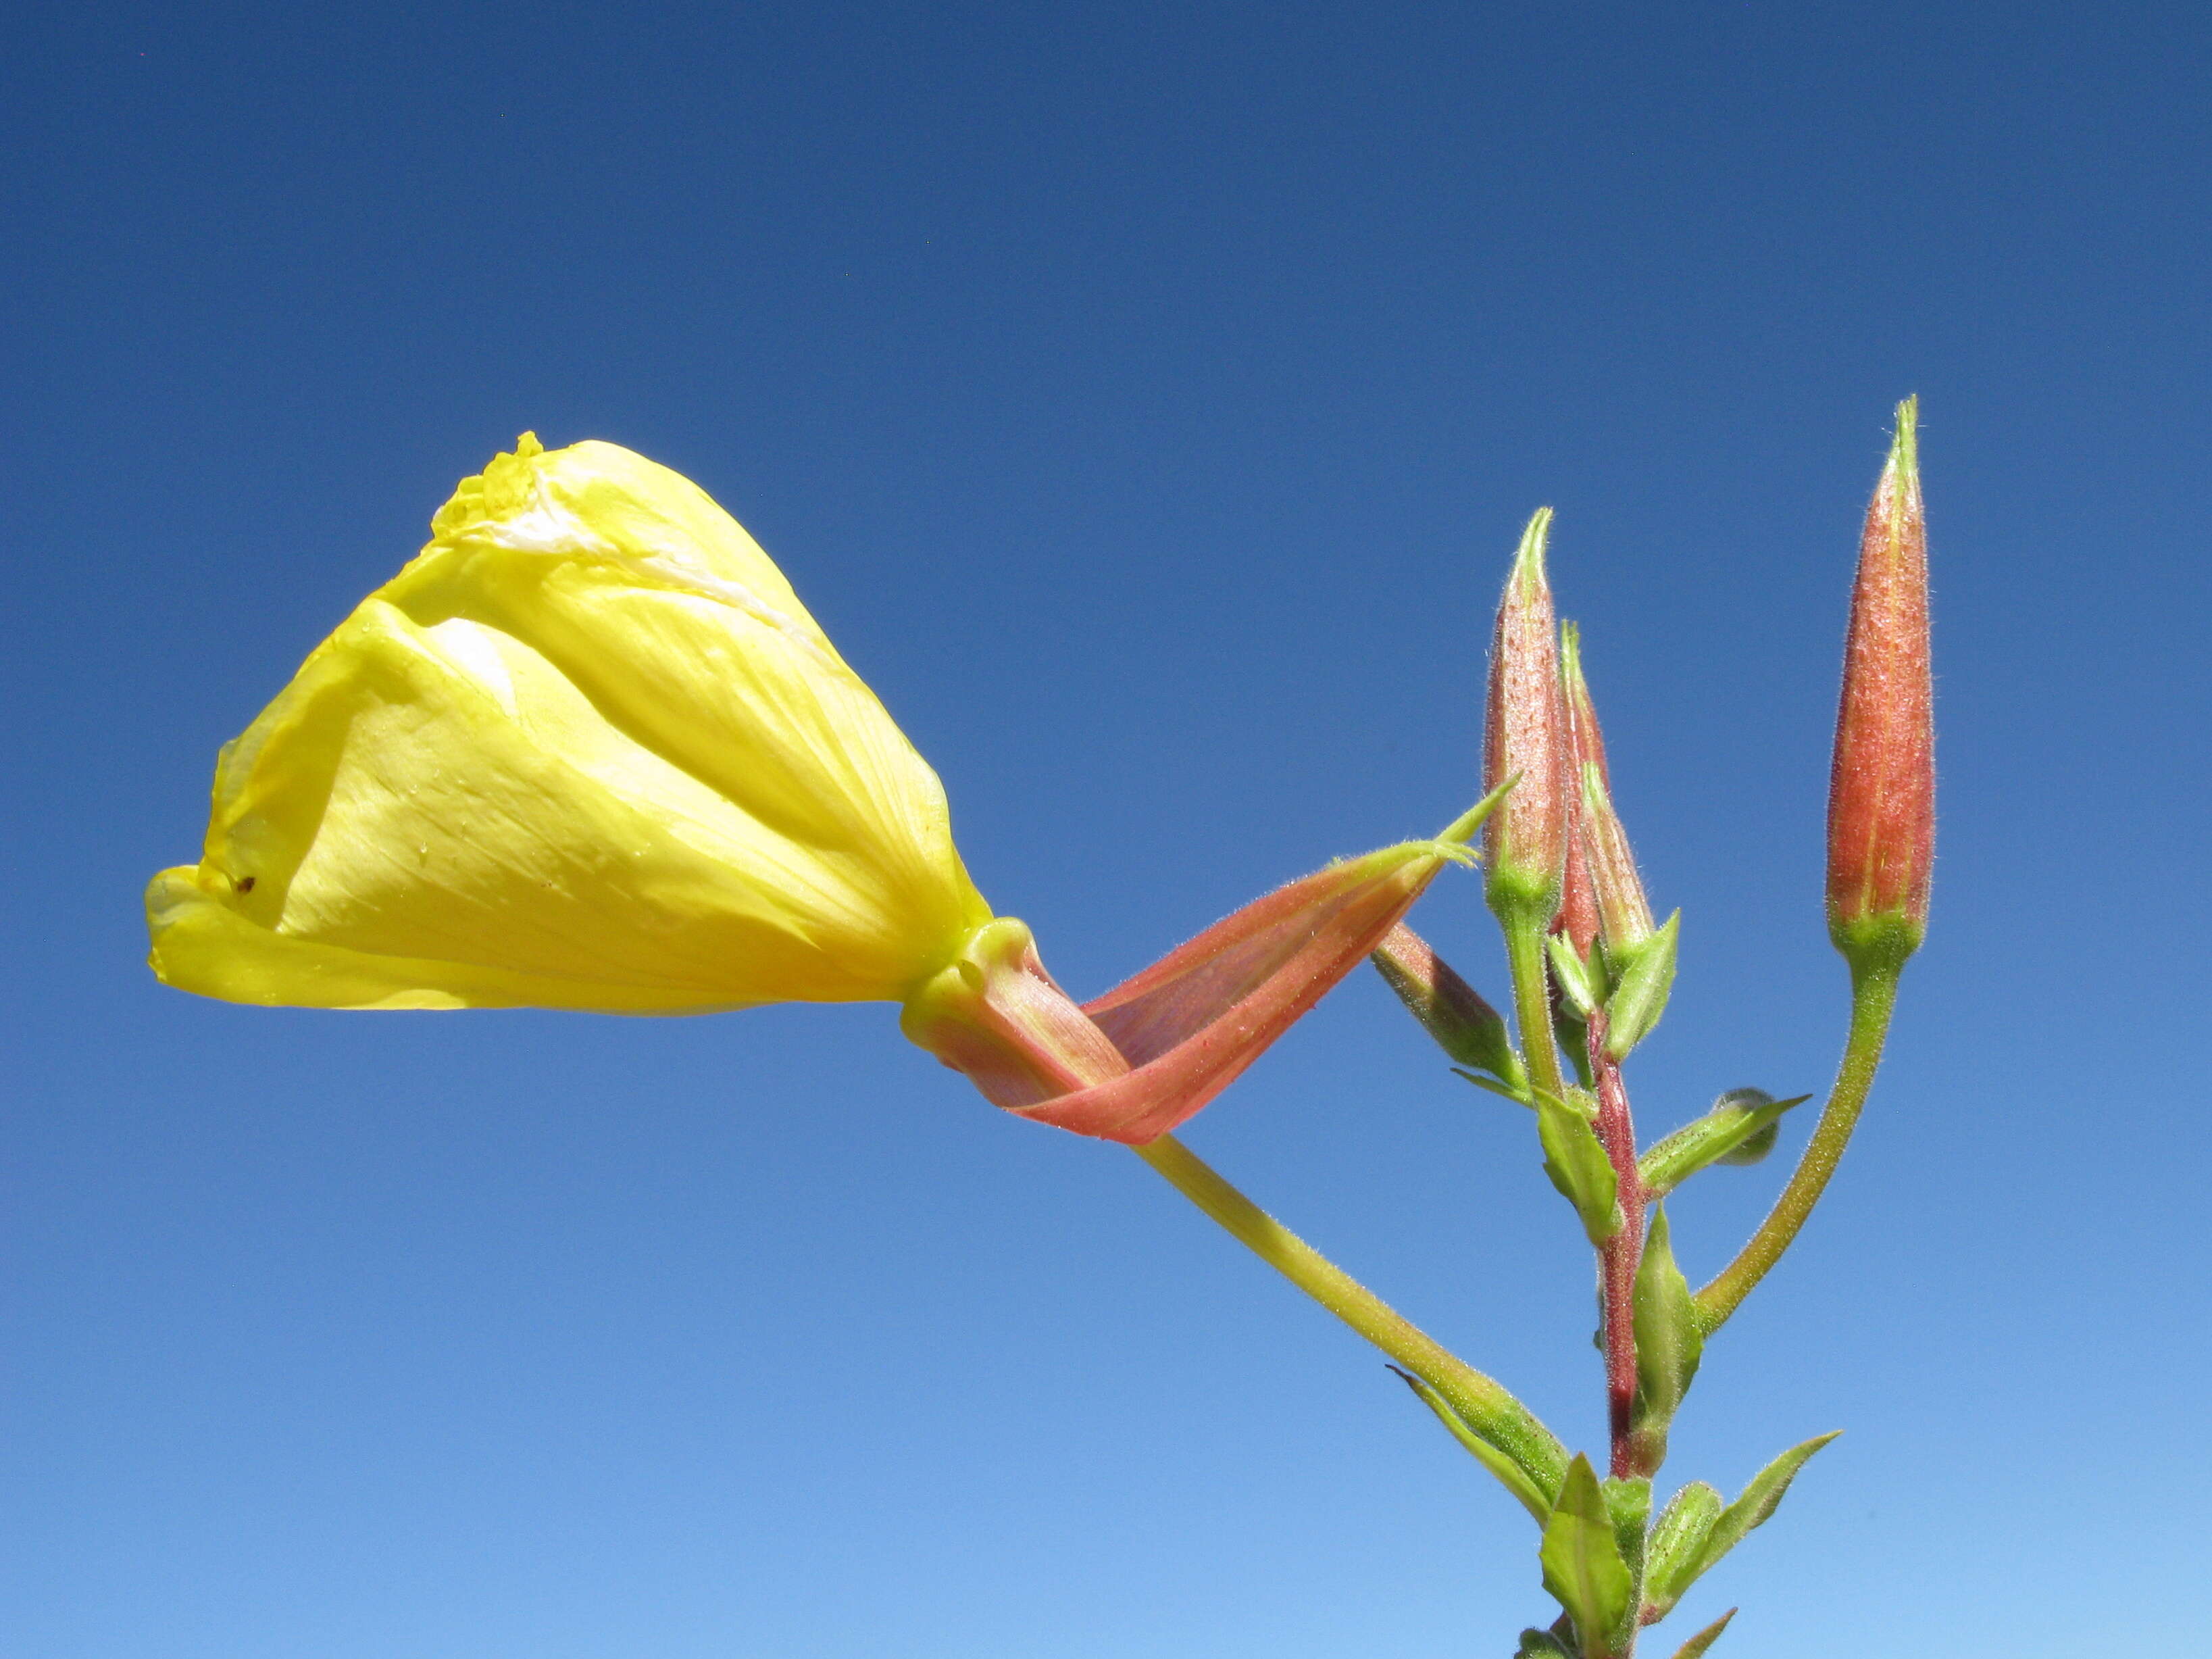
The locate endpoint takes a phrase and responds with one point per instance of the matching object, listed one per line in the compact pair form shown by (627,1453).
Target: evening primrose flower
(588,751)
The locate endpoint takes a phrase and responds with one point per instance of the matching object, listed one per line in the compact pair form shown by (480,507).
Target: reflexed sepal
(1670,1559)
(1668,1344)
(1541,1644)
(1758,1502)
(1582,1566)
(1510,1475)
(1741,1129)
(1696,1646)
(1575,1159)
(1639,997)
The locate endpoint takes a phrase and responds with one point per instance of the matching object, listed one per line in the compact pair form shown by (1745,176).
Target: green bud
(1740,1129)
(1452,1011)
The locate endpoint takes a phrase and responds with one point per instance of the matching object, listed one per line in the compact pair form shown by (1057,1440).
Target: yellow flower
(586,750)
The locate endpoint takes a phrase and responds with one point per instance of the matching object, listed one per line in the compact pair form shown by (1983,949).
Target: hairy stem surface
(1873,997)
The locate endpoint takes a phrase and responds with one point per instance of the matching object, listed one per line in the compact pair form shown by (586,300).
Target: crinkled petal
(586,750)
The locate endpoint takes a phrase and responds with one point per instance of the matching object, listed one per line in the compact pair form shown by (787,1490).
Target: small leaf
(1510,1475)
(1628,1501)
(1576,1161)
(1582,1566)
(1541,1644)
(1740,1129)
(1696,1646)
(1668,1344)
(1641,996)
(1677,1537)
(1519,1097)
(1757,1503)
(1580,982)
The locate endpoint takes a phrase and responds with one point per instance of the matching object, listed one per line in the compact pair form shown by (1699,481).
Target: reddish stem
(1619,1256)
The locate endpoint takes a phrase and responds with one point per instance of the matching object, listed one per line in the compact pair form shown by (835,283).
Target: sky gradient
(1147,400)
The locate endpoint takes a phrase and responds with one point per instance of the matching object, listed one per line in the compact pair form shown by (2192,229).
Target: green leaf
(1641,996)
(1510,1475)
(1576,1161)
(1671,1556)
(1541,1644)
(1668,1343)
(1519,1097)
(1628,1501)
(1580,983)
(1740,1128)
(1582,1566)
(1696,1646)
(1758,1502)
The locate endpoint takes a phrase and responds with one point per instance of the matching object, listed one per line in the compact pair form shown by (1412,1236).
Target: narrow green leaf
(1668,1344)
(1582,1566)
(1671,1557)
(1510,1475)
(1576,1161)
(1519,1097)
(1757,1503)
(1641,996)
(1580,983)
(1696,1646)
(1740,1128)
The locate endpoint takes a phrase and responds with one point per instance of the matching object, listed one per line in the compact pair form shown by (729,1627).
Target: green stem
(1873,996)
(1484,1402)
(1532,1000)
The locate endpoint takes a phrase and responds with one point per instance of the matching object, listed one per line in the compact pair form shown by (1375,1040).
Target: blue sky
(1147,399)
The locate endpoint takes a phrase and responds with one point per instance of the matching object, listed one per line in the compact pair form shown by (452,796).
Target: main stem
(1484,1402)
(1618,1256)
(1873,997)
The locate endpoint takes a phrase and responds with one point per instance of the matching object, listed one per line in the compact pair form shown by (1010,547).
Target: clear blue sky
(1147,399)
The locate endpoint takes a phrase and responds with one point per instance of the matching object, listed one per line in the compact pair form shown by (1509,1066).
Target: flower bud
(1881,799)
(1525,737)
(1616,891)
(1452,1011)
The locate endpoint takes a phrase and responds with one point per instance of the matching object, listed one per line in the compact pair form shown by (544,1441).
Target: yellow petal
(586,750)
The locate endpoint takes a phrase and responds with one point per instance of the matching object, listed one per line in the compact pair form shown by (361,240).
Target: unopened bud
(1525,736)
(1452,1011)
(1881,799)
(1616,892)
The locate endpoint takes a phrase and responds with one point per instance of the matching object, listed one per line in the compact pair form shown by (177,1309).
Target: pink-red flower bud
(1616,891)
(1882,798)
(1525,736)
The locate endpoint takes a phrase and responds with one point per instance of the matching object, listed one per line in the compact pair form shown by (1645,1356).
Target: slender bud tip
(1529,573)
